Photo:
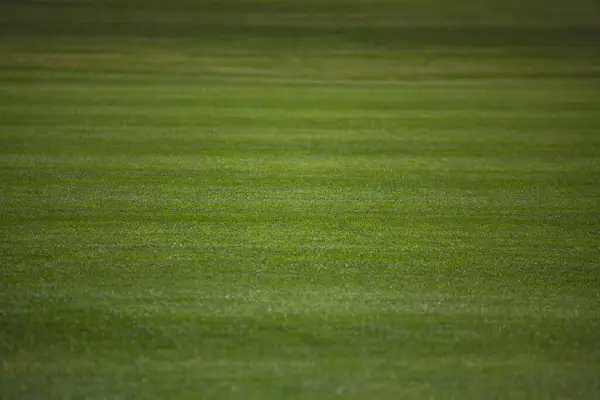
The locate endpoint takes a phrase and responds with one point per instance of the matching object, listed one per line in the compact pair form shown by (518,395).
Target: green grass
(299,199)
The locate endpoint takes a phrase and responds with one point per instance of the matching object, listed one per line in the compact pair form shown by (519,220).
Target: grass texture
(299,199)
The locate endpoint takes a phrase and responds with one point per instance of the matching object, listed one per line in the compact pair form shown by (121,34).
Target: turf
(299,199)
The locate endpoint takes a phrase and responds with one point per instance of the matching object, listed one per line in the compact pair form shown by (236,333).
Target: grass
(249,199)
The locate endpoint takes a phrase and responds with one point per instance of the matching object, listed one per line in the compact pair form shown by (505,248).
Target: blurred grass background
(299,199)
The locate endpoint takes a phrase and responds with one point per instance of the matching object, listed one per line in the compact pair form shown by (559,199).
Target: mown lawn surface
(299,199)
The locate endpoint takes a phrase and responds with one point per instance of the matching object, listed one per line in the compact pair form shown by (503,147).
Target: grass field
(300,199)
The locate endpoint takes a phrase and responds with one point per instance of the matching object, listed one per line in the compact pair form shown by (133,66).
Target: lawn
(300,199)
